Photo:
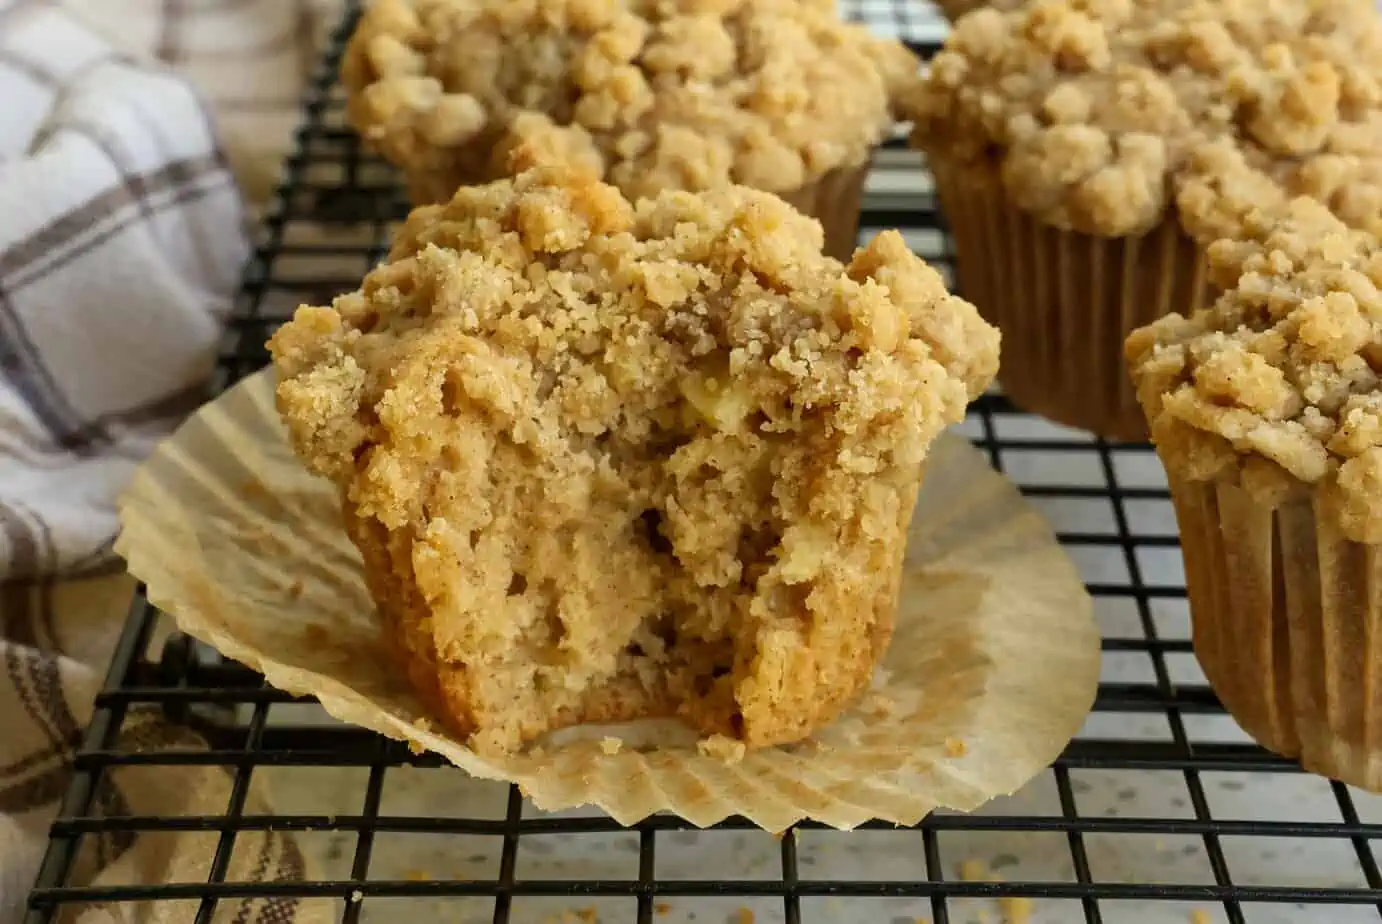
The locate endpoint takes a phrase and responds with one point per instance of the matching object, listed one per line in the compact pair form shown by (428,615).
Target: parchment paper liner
(991,671)
(1286,613)
(1065,301)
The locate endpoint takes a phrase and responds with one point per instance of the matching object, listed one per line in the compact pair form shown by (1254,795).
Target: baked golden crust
(1097,109)
(607,461)
(653,95)
(1276,386)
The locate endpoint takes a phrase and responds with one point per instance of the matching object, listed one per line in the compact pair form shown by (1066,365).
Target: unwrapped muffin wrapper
(992,668)
(1287,622)
(1065,301)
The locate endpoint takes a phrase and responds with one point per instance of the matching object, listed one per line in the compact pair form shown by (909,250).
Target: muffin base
(833,200)
(1065,301)
(1287,624)
(954,9)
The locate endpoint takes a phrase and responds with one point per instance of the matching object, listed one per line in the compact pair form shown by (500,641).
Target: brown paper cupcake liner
(1064,301)
(1287,621)
(834,201)
(992,668)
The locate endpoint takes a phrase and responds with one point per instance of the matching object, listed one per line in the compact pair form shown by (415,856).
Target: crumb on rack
(417,875)
(654,95)
(1200,916)
(976,870)
(744,916)
(661,907)
(1017,909)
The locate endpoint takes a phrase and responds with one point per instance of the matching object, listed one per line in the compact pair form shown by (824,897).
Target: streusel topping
(1277,384)
(659,94)
(1095,108)
(665,449)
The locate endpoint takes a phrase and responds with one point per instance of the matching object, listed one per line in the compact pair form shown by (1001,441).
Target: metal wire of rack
(1216,800)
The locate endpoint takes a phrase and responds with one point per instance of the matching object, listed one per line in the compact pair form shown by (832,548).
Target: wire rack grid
(1160,812)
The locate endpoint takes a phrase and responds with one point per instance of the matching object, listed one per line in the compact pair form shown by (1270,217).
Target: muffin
(607,461)
(1266,409)
(779,95)
(1086,153)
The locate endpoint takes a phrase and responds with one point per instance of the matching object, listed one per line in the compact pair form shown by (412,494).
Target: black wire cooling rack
(1160,812)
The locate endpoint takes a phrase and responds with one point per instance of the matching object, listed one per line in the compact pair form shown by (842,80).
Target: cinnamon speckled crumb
(654,95)
(608,461)
(1096,109)
(1275,386)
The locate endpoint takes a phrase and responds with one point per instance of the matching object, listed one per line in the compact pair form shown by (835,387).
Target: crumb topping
(1094,109)
(654,94)
(1276,385)
(666,445)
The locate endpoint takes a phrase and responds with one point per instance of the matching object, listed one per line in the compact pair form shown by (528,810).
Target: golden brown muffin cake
(775,94)
(609,460)
(1086,151)
(1267,411)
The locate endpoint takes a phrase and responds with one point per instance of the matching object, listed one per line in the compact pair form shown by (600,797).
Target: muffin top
(1276,384)
(655,94)
(629,306)
(1097,110)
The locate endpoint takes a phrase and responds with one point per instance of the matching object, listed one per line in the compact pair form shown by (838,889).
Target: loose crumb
(1094,111)
(661,907)
(417,875)
(1200,916)
(651,95)
(607,462)
(611,746)
(745,916)
(1275,386)
(976,870)
(1016,909)
(956,747)
(356,896)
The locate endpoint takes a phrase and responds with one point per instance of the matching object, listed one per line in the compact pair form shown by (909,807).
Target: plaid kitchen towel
(122,233)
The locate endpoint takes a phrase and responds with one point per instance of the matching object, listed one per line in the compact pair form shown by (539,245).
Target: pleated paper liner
(1287,623)
(1065,302)
(992,668)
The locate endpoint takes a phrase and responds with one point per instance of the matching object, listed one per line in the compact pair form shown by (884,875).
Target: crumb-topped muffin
(608,460)
(775,94)
(1086,152)
(1266,409)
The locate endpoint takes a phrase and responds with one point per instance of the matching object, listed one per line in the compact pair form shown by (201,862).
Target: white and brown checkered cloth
(132,134)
